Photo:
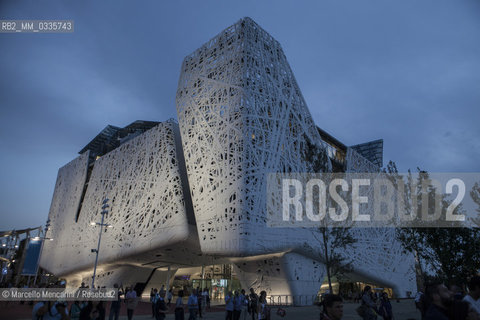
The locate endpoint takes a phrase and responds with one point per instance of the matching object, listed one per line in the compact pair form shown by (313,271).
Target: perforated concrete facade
(202,200)
(147,208)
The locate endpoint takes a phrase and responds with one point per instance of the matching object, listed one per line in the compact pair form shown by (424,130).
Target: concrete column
(167,287)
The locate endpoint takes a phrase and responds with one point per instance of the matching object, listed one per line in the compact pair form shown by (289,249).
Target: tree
(412,239)
(451,253)
(475,194)
(333,240)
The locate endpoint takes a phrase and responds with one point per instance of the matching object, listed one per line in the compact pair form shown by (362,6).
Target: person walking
(238,301)
(204,300)
(253,304)
(420,303)
(208,298)
(75,310)
(439,299)
(385,309)
(89,311)
(94,310)
(169,297)
(154,296)
(200,302)
(116,305)
(160,307)
(101,310)
(473,296)
(56,311)
(179,311)
(193,305)
(244,305)
(332,308)
(262,308)
(229,306)
(131,302)
(368,304)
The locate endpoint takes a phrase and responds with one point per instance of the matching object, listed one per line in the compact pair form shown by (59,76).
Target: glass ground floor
(220,279)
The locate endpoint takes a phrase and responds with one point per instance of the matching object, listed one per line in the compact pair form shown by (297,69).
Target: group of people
(239,304)
(86,310)
(373,305)
(197,302)
(159,304)
(436,302)
(439,302)
(332,307)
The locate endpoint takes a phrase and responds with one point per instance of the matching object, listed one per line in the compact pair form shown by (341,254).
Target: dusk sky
(405,71)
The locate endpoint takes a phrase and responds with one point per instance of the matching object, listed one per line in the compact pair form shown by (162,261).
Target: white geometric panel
(241,115)
(63,210)
(357,163)
(379,256)
(143,182)
(289,274)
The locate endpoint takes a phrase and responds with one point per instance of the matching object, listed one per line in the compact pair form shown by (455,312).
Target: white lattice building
(194,193)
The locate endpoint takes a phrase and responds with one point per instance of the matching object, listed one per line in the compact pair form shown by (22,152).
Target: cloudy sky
(406,71)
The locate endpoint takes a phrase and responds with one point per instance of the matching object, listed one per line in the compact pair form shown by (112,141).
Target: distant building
(187,200)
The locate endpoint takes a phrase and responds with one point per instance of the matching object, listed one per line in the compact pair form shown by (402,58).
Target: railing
(289,300)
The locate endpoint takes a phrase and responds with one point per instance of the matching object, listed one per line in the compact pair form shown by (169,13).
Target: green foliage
(333,240)
(315,157)
(475,194)
(450,253)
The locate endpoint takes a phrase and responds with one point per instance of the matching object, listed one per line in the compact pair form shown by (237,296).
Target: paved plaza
(403,310)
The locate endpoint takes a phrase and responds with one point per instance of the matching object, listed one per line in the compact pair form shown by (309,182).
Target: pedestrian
(439,300)
(75,310)
(385,309)
(473,296)
(193,305)
(368,304)
(420,303)
(56,311)
(442,305)
(87,311)
(332,308)
(200,302)
(238,301)
(262,308)
(206,293)
(253,304)
(116,305)
(39,309)
(229,306)
(204,300)
(244,299)
(93,310)
(169,296)
(131,302)
(154,296)
(179,312)
(101,310)
(456,291)
(160,307)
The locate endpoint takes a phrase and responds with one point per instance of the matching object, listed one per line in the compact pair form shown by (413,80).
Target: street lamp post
(47,225)
(101,224)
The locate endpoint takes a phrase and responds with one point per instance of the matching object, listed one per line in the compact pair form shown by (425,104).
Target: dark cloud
(404,71)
